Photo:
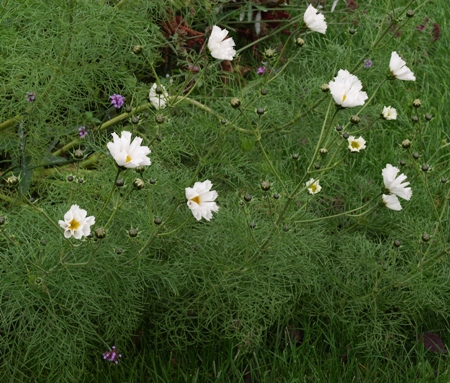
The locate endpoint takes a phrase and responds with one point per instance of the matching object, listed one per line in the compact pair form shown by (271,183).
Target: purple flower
(82,131)
(112,356)
(117,100)
(367,63)
(29,96)
(261,70)
(193,68)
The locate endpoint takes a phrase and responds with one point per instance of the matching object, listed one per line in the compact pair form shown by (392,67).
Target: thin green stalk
(109,196)
(118,207)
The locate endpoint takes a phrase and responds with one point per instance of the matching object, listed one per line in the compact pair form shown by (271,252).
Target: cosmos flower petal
(129,154)
(314,20)
(399,69)
(220,47)
(346,90)
(394,184)
(201,200)
(391,201)
(76,223)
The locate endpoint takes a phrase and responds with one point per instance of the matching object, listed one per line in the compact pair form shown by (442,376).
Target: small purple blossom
(193,68)
(29,96)
(82,131)
(117,100)
(112,356)
(367,63)
(261,70)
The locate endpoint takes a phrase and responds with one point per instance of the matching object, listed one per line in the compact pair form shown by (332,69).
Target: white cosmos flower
(76,223)
(313,186)
(389,113)
(346,90)
(158,100)
(201,200)
(391,201)
(314,21)
(221,48)
(399,69)
(356,144)
(128,154)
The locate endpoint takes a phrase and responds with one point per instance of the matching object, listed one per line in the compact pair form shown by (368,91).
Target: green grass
(310,290)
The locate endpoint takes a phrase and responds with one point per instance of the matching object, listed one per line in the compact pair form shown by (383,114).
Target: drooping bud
(128,108)
(317,166)
(138,184)
(235,102)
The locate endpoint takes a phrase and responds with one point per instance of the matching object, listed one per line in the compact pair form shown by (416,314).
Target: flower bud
(397,243)
(417,103)
(444,180)
(160,119)
(80,180)
(276,196)
(120,182)
(128,108)
(137,49)
(425,168)
(132,232)
(264,92)
(265,185)
(406,144)
(352,31)
(135,120)
(252,225)
(269,53)
(416,155)
(159,90)
(299,42)
(43,242)
(138,184)
(100,233)
(355,120)
(425,237)
(2,220)
(323,151)
(345,135)
(403,163)
(140,169)
(415,119)
(159,137)
(78,154)
(286,228)
(248,197)
(118,250)
(152,181)
(157,221)
(428,117)
(338,128)
(260,111)
(325,88)
(410,13)
(317,166)
(235,102)
(70,178)
(295,156)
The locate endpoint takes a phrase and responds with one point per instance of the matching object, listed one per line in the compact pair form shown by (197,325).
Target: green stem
(118,207)
(109,196)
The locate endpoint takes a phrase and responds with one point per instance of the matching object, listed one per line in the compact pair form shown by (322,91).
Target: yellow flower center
(74,224)
(128,159)
(196,200)
(355,144)
(344,97)
(313,187)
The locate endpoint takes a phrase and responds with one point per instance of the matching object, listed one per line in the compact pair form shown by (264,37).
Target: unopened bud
(323,151)
(325,88)
(138,183)
(269,53)
(264,92)
(444,180)
(403,163)
(137,49)
(160,119)
(2,220)
(428,117)
(345,135)
(410,13)
(100,233)
(248,197)
(265,185)
(317,166)
(338,128)
(417,103)
(12,180)
(135,120)
(352,31)
(120,182)
(276,196)
(295,156)
(425,237)
(152,181)
(260,111)
(140,169)
(416,155)
(128,108)
(406,144)
(397,243)
(286,228)
(235,102)
(252,225)
(355,120)
(157,221)
(78,154)
(299,42)
(132,232)
(425,168)
(415,119)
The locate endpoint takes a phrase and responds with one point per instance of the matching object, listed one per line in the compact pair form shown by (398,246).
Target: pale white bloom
(128,154)
(389,113)
(220,47)
(391,201)
(399,69)
(313,186)
(314,21)
(346,90)
(356,144)
(201,200)
(395,186)
(76,223)
(158,100)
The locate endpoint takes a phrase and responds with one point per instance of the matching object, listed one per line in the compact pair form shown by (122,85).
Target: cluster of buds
(112,356)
